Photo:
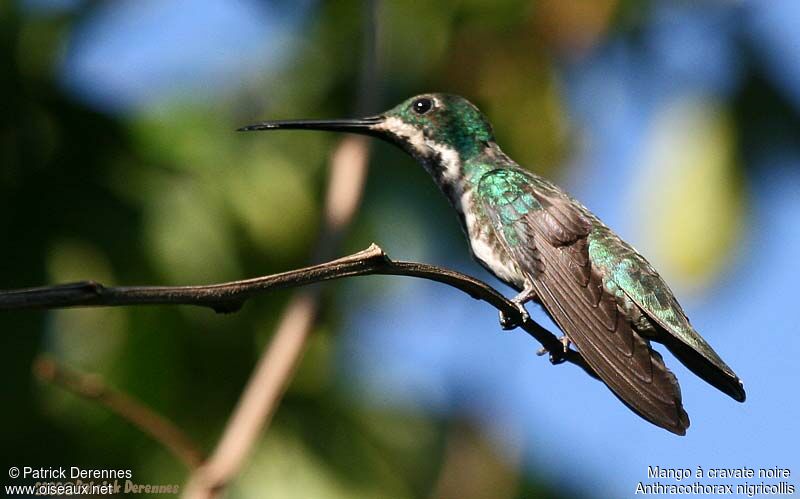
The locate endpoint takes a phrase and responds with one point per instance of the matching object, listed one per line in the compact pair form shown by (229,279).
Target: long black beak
(355,125)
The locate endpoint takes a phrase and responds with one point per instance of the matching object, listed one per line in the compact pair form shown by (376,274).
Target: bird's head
(436,129)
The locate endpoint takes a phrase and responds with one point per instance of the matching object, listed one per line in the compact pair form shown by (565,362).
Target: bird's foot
(508,323)
(557,357)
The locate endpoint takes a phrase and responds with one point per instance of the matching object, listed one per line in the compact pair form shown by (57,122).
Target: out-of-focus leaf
(189,234)
(284,467)
(84,337)
(688,197)
(272,200)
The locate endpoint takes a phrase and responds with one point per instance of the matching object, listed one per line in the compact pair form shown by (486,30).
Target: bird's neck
(457,173)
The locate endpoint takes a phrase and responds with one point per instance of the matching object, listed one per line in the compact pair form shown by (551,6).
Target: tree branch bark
(230,296)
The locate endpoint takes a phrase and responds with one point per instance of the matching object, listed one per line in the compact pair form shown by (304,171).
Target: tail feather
(726,382)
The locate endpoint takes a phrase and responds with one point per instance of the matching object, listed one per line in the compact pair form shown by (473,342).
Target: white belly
(483,243)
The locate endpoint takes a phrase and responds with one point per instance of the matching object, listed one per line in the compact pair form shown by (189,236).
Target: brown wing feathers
(605,338)
(591,317)
(554,233)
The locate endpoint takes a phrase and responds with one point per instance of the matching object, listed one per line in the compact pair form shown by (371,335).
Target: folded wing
(537,223)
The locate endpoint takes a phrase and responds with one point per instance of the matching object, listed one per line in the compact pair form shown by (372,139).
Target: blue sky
(131,54)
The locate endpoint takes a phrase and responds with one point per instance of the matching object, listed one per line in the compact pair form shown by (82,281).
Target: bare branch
(91,387)
(230,296)
(225,297)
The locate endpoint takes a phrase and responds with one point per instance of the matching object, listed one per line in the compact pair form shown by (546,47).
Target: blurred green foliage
(171,195)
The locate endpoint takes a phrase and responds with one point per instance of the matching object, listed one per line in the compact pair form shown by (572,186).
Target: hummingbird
(604,296)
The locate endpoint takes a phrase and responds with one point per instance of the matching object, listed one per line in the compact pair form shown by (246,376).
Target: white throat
(451,162)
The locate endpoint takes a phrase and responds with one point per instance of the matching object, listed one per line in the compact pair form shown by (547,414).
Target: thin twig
(279,360)
(259,400)
(371,261)
(92,387)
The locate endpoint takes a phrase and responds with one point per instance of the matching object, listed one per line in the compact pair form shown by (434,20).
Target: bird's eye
(422,106)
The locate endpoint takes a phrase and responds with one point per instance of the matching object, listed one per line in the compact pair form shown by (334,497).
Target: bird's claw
(557,357)
(508,323)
